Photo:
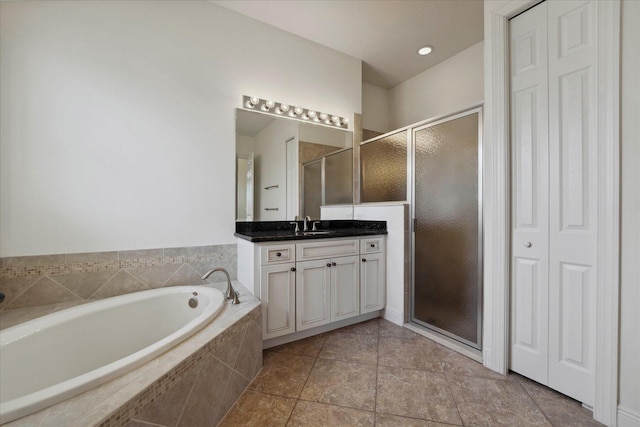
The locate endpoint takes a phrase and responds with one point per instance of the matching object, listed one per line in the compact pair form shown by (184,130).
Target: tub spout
(230,293)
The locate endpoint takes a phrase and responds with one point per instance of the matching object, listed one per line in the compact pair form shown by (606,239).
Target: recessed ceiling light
(425,50)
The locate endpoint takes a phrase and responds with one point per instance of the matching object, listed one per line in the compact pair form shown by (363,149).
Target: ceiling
(384,34)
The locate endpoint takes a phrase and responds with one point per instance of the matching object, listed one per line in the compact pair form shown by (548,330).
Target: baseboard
(393,316)
(285,339)
(628,418)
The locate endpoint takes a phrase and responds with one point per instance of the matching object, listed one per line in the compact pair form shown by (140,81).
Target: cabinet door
(277,293)
(313,279)
(372,282)
(345,292)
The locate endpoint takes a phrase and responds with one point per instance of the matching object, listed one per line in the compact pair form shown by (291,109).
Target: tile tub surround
(50,281)
(375,373)
(218,362)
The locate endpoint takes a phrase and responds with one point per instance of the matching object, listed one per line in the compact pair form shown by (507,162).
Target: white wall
(450,86)
(629,414)
(376,108)
(117,125)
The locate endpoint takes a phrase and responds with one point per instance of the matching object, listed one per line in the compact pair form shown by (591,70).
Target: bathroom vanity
(313,282)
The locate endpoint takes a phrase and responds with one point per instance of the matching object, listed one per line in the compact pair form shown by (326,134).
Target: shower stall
(326,181)
(435,166)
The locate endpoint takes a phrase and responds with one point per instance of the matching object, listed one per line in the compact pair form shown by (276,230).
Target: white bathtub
(52,358)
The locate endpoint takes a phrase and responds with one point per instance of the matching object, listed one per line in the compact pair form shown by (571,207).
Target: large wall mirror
(288,168)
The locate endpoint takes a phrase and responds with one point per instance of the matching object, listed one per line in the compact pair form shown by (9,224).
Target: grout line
(544,414)
(69,290)
(193,386)
(8,304)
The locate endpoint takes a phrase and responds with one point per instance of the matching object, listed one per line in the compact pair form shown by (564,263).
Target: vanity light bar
(279,109)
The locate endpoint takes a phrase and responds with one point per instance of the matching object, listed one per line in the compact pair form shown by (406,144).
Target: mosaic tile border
(149,395)
(14,267)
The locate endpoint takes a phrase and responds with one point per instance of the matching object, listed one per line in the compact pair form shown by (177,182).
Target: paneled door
(313,287)
(530,194)
(554,195)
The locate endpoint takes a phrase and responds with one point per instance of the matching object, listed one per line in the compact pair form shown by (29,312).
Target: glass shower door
(447,279)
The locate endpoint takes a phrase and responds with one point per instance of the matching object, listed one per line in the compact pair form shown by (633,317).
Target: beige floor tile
(416,394)
(416,382)
(283,374)
(388,329)
(259,410)
(306,347)
(559,409)
(488,402)
(415,353)
(313,414)
(457,364)
(351,347)
(386,420)
(342,383)
(369,327)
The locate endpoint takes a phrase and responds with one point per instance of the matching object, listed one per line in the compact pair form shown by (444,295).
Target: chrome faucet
(307,219)
(230,293)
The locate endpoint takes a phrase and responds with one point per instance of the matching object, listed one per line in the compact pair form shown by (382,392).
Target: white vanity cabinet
(372,274)
(313,289)
(327,282)
(278,289)
(312,283)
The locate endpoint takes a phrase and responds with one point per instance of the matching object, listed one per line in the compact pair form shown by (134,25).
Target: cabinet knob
(278,253)
(328,264)
(333,264)
(527,245)
(293,269)
(364,260)
(373,245)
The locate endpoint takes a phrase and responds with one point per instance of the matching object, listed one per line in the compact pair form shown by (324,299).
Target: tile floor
(378,374)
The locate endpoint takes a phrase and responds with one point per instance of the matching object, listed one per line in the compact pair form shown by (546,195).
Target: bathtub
(49,359)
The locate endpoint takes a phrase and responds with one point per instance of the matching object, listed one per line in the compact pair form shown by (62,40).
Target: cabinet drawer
(371,245)
(277,253)
(326,249)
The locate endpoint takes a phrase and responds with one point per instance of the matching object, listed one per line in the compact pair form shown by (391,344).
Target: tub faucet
(230,293)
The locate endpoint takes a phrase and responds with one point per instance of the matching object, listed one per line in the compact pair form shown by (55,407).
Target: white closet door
(554,199)
(530,200)
(573,198)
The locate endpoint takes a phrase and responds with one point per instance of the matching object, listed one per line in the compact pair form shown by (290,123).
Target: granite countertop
(274,231)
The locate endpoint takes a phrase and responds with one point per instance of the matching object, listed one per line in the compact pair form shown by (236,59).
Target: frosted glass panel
(447,282)
(383,169)
(312,189)
(338,184)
